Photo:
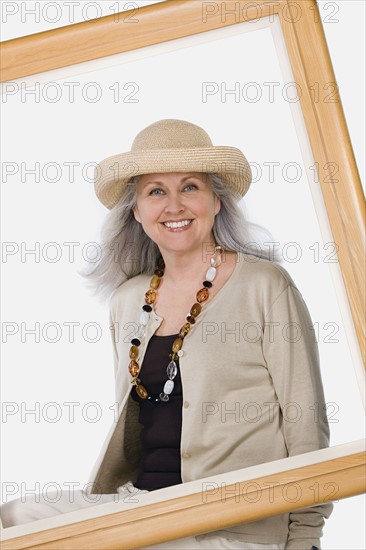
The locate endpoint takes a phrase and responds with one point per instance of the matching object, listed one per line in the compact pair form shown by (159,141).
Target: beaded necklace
(150,299)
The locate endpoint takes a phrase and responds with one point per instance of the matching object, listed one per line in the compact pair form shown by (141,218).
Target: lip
(177,221)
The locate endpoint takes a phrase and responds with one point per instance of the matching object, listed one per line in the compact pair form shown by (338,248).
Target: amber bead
(184,330)
(177,344)
(202,294)
(191,319)
(159,272)
(155,282)
(133,368)
(196,309)
(150,296)
(141,391)
(134,352)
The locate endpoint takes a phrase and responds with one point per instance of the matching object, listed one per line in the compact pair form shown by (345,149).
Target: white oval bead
(144,317)
(180,353)
(168,387)
(211,274)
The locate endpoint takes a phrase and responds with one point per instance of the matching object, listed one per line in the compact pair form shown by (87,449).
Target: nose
(174,203)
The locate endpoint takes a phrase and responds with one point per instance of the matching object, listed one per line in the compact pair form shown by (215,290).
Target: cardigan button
(186,404)
(186,455)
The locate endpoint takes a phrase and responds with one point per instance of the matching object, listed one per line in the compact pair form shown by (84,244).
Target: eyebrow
(181,181)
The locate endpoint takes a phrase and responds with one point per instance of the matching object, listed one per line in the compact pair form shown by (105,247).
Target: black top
(162,421)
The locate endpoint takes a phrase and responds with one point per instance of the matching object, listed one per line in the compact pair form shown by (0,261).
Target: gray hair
(126,250)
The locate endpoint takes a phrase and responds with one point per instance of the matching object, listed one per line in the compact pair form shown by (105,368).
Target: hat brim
(113,173)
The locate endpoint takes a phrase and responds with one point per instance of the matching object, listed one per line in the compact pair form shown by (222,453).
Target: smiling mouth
(177,225)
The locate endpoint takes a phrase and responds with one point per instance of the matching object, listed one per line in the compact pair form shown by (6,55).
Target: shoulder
(264,272)
(262,282)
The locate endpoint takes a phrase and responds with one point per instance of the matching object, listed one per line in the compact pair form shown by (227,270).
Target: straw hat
(171,145)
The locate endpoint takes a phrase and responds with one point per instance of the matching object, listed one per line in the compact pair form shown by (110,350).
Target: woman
(216,363)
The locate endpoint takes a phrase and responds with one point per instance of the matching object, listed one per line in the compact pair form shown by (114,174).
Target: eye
(191,185)
(152,192)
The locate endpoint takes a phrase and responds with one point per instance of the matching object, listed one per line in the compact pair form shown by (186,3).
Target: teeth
(177,224)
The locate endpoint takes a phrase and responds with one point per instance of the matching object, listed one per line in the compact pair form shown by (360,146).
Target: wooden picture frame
(344,200)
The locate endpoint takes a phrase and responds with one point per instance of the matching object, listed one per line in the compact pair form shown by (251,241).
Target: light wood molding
(332,150)
(110,35)
(197,513)
(344,200)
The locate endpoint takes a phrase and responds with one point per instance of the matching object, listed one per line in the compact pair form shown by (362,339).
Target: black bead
(147,308)
(207,284)
(135,342)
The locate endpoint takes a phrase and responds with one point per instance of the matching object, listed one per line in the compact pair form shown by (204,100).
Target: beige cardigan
(251,379)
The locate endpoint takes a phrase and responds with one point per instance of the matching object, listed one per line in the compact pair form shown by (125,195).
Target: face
(177,210)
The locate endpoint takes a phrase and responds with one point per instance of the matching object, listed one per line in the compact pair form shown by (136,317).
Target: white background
(44,373)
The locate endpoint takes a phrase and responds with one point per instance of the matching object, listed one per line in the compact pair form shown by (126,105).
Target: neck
(185,268)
